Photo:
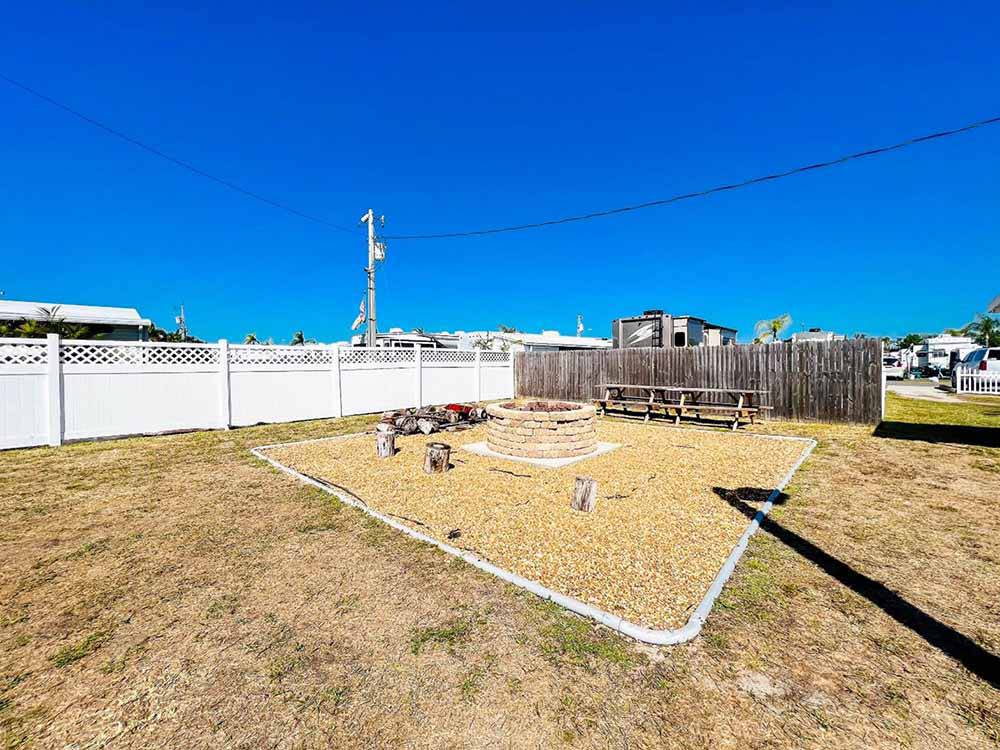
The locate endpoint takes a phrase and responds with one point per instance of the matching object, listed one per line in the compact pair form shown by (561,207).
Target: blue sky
(449,118)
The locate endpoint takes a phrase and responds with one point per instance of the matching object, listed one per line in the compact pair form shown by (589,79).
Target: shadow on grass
(959,647)
(988,437)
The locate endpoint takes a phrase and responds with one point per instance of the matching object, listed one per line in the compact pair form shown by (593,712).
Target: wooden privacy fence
(837,381)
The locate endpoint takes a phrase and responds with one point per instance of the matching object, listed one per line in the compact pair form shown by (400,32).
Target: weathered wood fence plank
(837,381)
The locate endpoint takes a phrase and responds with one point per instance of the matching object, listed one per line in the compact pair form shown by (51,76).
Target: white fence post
(335,389)
(479,375)
(513,377)
(54,389)
(418,376)
(225,402)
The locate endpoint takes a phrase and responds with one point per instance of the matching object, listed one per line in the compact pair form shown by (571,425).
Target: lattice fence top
(496,357)
(361,357)
(451,356)
(142,354)
(23,354)
(139,355)
(281,355)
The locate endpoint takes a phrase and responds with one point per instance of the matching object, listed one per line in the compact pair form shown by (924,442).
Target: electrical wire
(174,160)
(516,227)
(703,193)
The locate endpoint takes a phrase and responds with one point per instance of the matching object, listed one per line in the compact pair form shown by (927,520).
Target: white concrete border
(647,635)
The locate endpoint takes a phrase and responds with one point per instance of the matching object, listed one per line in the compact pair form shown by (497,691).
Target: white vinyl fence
(53,390)
(977,381)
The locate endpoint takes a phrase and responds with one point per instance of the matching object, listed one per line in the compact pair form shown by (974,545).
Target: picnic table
(678,399)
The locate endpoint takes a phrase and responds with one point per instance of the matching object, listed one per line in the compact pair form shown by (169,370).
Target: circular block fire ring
(541,429)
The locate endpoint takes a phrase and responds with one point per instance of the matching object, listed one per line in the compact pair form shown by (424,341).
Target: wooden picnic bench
(678,400)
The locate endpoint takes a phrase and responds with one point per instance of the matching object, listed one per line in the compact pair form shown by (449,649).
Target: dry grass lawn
(176,592)
(648,552)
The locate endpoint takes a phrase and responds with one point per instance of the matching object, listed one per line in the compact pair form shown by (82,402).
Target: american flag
(361,316)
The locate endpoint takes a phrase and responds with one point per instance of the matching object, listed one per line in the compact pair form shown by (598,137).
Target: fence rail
(53,390)
(976,381)
(839,381)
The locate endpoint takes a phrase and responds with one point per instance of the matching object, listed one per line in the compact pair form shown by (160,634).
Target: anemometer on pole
(376,252)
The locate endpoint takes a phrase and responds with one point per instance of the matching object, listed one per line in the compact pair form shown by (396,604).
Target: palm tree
(77,331)
(985,330)
(49,314)
(33,329)
(768,330)
(47,320)
(298,339)
(251,338)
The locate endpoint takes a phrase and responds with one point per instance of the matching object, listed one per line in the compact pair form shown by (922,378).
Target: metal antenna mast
(182,324)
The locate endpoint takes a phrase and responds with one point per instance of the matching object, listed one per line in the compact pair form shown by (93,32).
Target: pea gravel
(649,551)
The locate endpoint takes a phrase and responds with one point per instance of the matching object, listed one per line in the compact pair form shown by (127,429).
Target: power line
(174,160)
(703,193)
(517,227)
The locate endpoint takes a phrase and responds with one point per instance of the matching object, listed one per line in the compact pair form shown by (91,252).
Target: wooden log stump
(436,458)
(584,494)
(385,443)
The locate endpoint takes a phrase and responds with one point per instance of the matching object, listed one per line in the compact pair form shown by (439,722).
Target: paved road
(921,389)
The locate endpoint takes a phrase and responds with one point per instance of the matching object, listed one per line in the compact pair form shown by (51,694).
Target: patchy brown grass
(175,592)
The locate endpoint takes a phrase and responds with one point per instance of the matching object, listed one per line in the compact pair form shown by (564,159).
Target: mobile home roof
(88,314)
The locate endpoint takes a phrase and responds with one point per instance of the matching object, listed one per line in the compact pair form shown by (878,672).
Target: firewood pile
(428,419)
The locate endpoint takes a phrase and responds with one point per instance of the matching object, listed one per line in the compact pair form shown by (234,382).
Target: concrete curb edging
(679,635)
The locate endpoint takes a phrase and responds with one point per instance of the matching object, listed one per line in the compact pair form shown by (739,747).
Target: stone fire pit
(541,429)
